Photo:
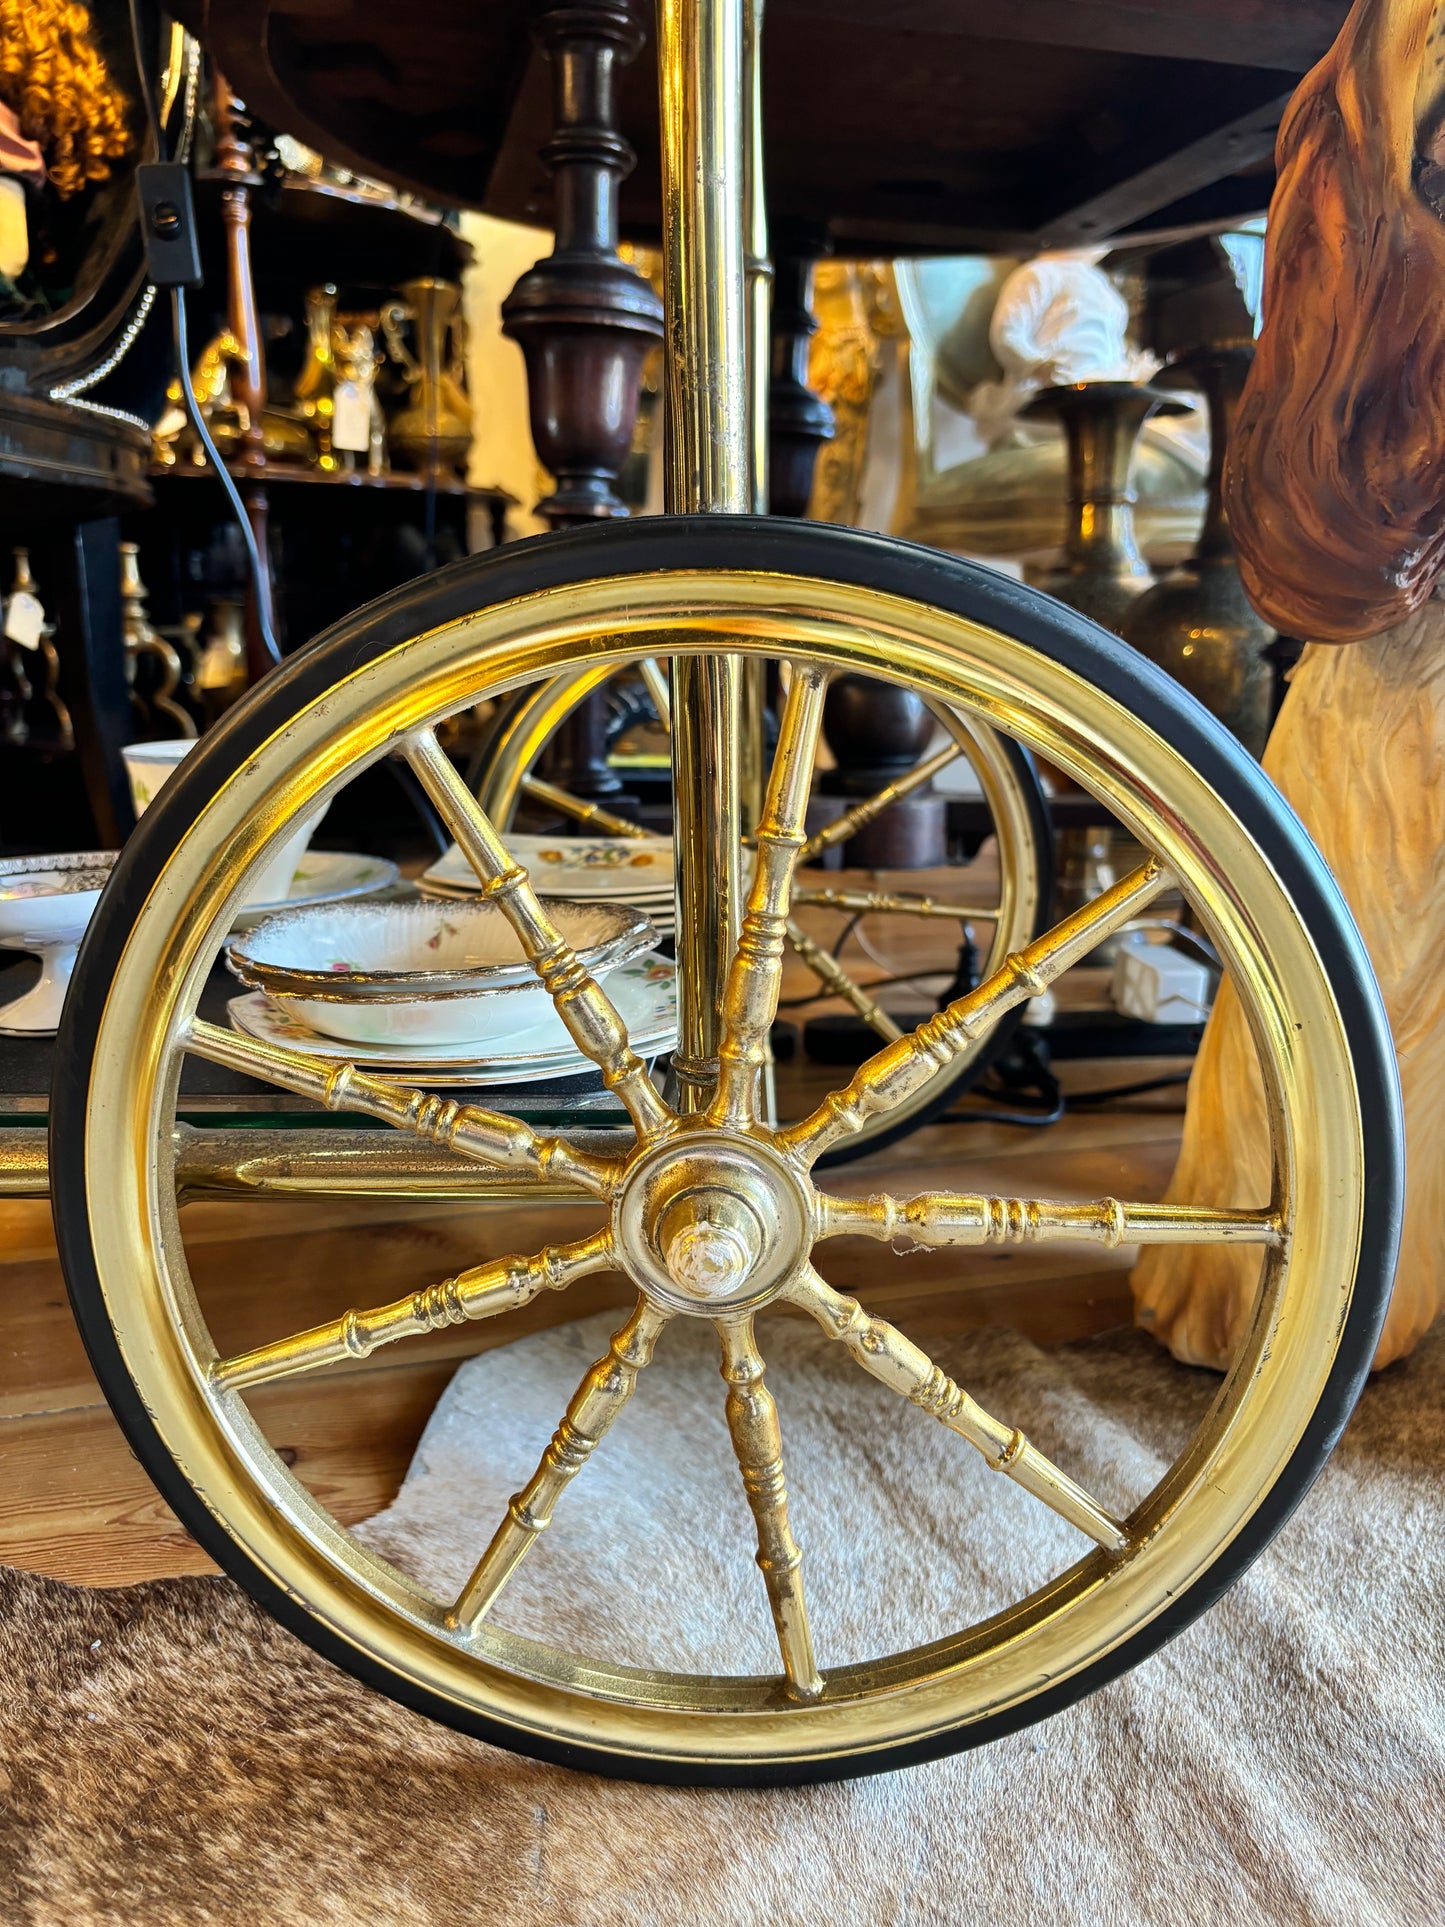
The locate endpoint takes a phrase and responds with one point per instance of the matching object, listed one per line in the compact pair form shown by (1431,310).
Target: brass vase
(1102,574)
(433,431)
(315,389)
(1198,623)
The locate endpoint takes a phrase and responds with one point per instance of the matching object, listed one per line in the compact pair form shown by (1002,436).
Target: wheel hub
(709,1222)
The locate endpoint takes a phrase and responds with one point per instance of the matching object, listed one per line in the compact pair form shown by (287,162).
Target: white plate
(660,910)
(422,973)
(325,876)
(254,1017)
(565,866)
(650,900)
(644,992)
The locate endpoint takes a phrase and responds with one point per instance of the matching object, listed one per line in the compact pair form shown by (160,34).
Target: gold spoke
(580,1001)
(895,1073)
(595,1405)
(482,1292)
(880,1348)
(655,676)
(753,1421)
(937,1218)
(851,821)
(896,903)
(750,995)
(468,1129)
(827,969)
(577,807)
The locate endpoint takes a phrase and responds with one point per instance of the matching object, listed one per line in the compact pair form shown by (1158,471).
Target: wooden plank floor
(75,1504)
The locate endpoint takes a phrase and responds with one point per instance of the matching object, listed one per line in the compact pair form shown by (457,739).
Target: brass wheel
(713,1214)
(1018,903)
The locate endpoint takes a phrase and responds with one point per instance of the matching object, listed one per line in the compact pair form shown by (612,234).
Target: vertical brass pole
(700,67)
(758,268)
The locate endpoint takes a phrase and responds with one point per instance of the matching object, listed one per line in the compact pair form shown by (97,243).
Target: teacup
(150,765)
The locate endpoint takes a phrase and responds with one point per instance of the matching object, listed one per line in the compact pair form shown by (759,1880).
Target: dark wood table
(953,125)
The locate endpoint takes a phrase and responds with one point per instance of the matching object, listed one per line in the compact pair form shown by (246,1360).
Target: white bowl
(45,904)
(150,765)
(421,973)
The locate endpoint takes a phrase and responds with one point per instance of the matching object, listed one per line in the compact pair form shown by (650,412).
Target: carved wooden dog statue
(1336,490)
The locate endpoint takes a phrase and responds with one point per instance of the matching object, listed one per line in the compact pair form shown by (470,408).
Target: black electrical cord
(1060,1107)
(874,983)
(143,77)
(223,476)
(1026,1120)
(848,928)
(183,361)
(1129,1090)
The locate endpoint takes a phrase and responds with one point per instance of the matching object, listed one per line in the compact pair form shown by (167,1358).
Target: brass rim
(1311,1228)
(508,774)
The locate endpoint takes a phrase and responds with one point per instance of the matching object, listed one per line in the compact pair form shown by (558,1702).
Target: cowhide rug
(172,1757)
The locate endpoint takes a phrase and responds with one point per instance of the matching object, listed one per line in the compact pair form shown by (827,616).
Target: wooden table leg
(81,571)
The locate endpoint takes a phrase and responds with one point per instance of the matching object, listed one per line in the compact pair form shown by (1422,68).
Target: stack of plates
(621,869)
(643,990)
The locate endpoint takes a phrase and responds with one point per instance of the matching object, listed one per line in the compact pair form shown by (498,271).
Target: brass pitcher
(433,432)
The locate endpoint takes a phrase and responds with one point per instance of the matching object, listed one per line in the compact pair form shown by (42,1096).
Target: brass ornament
(845,359)
(1101,573)
(1196,621)
(432,431)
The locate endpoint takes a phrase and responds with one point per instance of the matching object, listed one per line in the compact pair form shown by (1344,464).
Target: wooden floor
(75,1504)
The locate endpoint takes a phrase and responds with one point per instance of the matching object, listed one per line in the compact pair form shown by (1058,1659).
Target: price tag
(24,619)
(351,417)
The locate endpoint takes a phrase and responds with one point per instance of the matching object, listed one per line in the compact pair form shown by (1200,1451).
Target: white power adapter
(1158,984)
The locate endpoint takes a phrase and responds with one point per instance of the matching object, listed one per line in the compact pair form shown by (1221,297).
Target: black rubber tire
(842,555)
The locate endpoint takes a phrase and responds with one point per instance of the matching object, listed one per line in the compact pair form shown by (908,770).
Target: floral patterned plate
(325,876)
(644,991)
(633,869)
(422,973)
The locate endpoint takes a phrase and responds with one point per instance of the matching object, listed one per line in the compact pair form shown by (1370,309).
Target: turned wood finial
(583,318)
(1336,478)
(236,166)
(799,421)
